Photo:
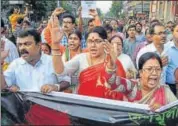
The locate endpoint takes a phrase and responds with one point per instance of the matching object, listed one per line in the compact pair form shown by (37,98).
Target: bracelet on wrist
(57,54)
(110,70)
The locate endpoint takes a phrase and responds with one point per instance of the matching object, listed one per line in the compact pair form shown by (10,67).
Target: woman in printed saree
(147,89)
(96,67)
(150,89)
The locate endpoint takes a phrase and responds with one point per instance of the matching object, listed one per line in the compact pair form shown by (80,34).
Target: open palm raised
(56,31)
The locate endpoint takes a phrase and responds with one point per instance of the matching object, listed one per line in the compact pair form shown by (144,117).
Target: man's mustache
(23,52)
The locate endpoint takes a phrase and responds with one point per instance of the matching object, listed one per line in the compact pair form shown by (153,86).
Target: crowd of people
(134,62)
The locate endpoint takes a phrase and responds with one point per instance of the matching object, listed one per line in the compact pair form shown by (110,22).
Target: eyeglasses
(151,69)
(97,41)
(160,33)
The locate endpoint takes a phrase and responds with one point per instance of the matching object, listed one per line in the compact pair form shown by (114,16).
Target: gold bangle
(110,70)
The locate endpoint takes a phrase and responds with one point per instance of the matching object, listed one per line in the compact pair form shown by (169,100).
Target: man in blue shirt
(33,71)
(139,34)
(173,62)
(131,42)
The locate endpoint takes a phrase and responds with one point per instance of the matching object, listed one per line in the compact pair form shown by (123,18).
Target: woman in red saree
(93,67)
(92,78)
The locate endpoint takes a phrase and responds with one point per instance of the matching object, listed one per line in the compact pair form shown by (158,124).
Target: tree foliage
(115,10)
(41,8)
(66,6)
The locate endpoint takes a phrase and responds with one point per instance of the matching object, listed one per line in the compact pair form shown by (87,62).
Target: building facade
(139,9)
(164,10)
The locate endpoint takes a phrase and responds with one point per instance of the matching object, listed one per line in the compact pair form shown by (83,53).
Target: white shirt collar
(22,61)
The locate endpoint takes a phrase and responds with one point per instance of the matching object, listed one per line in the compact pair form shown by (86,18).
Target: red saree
(93,81)
(158,95)
(120,69)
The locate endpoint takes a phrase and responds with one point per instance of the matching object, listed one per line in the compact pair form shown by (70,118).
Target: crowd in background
(134,61)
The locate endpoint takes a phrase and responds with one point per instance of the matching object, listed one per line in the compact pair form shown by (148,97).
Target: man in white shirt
(158,46)
(33,71)
(8,45)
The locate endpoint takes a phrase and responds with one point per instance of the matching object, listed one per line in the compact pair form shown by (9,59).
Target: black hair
(67,15)
(147,31)
(30,32)
(131,26)
(152,28)
(2,23)
(115,21)
(49,47)
(170,22)
(91,20)
(146,56)
(153,22)
(131,20)
(12,10)
(19,20)
(78,33)
(138,23)
(100,30)
(108,27)
(117,36)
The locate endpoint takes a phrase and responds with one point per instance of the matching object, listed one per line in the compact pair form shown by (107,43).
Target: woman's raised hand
(58,11)
(56,32)
(112,52)
(55,29)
